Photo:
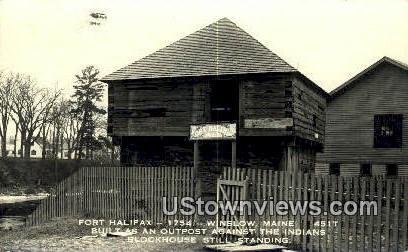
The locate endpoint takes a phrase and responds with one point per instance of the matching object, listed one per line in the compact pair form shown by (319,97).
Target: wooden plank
(363,184)
(305,217)
(311,244)
(404,223)
(380,185)
(388,196)
(395,239)
(319,217)
(275,191)
(356,183)
(371,218)
(347,218)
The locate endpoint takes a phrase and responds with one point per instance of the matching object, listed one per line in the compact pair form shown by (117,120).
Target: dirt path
(66,235)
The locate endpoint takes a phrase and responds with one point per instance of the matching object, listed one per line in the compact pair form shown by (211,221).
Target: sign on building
(221,131)
(268,123)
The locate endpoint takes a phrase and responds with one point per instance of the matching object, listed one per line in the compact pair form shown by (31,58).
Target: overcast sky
(329,41)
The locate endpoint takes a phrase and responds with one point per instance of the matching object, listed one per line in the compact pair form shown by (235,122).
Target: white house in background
(35,152)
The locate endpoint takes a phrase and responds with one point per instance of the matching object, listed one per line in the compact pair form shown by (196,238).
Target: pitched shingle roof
(348,84)
(217,49)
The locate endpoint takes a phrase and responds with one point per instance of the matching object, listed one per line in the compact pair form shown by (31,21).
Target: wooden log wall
(152,108)
(309,111)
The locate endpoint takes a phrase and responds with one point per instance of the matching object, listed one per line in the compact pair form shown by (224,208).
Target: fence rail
(136,193)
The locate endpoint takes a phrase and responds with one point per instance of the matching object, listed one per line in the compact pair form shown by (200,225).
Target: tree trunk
(44,144)
(53,142)
(3,134)
(27,149)
(15,141)
(69,150)
(62,146)
(27,144)
(22,142)
(113,152)
(57,137)
(4,146)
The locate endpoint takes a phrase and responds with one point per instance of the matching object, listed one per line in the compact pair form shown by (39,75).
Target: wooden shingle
(218,49)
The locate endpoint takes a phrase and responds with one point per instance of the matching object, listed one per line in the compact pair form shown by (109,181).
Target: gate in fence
(230,195)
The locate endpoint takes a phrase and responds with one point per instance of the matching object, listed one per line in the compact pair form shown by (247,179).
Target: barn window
(391,170)
(388,131)
(365,170)
(33,153)
(334,169)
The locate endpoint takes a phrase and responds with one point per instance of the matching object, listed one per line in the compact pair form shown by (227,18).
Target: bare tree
(61,122)
(6,91)
(70,131)
(31,106)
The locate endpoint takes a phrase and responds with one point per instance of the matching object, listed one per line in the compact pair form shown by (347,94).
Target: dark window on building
(224,101)
(314,121)
(365,170)
(33,153)
(388,131)
(156,112)
(391,170)
(334,169)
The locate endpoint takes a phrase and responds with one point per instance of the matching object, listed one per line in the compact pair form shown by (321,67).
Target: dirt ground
(66,235)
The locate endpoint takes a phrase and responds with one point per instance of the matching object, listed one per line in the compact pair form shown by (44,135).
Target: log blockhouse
(216,98)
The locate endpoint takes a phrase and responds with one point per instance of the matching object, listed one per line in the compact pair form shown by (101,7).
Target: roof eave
(196,76)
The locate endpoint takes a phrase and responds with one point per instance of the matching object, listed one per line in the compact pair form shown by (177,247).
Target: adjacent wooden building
(367,123)
(216,98)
